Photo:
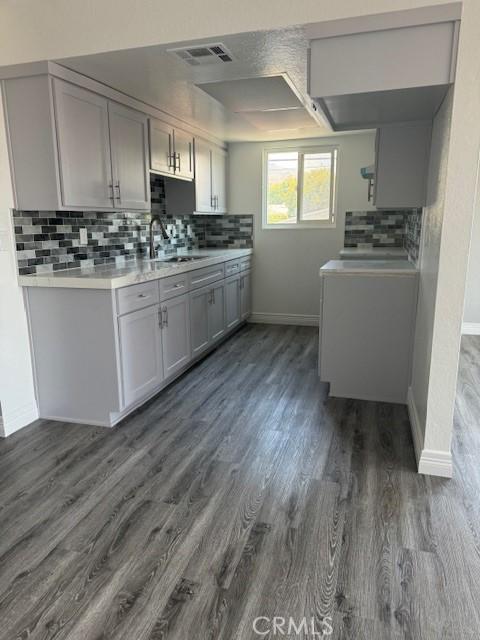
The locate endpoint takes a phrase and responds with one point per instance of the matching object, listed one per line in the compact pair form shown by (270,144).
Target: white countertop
(374,252)
(378,267)
(112,277)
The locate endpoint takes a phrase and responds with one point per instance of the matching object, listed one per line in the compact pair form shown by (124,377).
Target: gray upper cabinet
(71,148)
(401,165)
(171,150)
(161,147)
(183,150)
(128,139)
(377,70)
(83,147)
(219,179)
(210,178)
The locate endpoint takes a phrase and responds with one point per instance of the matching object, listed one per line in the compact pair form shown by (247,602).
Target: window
(299,187)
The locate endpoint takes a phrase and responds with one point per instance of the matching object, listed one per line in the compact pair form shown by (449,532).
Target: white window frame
(331,223)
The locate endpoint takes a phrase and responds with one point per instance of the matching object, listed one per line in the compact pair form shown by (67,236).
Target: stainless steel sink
(182,258)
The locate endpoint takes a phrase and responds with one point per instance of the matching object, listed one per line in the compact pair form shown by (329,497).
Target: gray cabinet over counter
(78,145)
(100,353)
(375,70)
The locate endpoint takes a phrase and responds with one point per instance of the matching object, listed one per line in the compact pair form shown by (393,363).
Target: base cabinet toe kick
(99,354)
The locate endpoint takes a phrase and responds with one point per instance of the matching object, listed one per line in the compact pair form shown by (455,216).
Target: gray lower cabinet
(207,316)
(232,299)
(245,295)
(216,312)
(175,321)
(199,308)
(98,354)
(140,341)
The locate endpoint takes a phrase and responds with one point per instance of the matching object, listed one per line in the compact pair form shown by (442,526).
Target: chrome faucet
(165,236)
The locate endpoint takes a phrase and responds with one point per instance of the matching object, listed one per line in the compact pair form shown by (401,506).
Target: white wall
(285,277)
(17,396)
(471,315)
(430,255)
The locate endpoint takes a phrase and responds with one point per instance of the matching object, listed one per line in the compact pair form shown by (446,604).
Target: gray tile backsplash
(384,228)
(49,241)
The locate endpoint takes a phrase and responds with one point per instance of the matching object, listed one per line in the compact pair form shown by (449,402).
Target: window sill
(298,227)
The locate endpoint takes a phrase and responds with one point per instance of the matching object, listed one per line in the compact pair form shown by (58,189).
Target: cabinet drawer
(173,286)
(203,277)
(232,267)
(137,296)
(246,263)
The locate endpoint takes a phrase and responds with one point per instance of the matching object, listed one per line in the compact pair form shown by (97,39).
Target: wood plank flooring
(242,491)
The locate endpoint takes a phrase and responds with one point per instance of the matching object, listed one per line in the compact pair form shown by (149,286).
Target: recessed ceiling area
(269,103)
(268,71)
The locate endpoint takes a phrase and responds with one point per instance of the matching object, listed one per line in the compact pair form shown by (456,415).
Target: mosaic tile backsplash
(50,241)
(384,228)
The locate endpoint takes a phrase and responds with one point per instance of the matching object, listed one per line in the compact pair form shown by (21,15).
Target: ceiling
(259,95)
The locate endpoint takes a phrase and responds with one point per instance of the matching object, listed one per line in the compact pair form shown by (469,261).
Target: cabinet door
(199,313)
(175,334)
(232,301)
(183,145)
(401,165)
(128,139)
(216,312)
(83,146)
(203,177)
(245,295)
(219,179)
(161,147)
(141,353)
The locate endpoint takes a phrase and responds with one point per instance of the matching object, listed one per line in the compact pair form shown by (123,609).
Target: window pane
(282,184)
(317,170)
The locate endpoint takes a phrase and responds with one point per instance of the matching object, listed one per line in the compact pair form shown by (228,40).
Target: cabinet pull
(165,316)
(177,157)
(210,299)
(142,295)
(119,195)
(179,284)
(171,161)
(112,195)
(369,193)
(160,321)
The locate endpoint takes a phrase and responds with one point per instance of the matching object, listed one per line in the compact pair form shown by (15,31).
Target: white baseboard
(21,417)
(284,318)
(429,461)
(471,328)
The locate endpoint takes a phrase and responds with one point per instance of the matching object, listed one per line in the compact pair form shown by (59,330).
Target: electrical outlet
(83,236)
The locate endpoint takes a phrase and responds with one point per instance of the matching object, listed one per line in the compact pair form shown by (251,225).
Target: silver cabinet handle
(117,187)
(210,299)
(160,321)
(112,195)
(179,284)
(177,157)
(370,193)
(171,161)
(165,316)
(142,295)
(212,202)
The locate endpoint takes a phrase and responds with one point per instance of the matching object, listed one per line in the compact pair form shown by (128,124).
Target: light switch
(83,236)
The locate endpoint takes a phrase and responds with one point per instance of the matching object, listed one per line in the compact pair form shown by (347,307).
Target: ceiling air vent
(203,54)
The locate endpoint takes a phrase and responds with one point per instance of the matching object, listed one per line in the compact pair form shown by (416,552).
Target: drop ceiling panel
(252,94)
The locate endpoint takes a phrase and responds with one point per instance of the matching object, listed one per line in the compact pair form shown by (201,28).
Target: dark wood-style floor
(242,491)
